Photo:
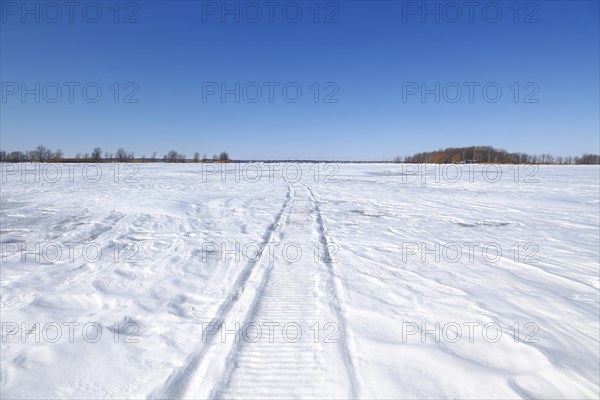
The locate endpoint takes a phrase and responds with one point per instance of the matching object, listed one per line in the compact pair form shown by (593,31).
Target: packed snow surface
(299,281)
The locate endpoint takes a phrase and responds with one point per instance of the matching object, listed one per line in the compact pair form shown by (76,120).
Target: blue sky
(361,69)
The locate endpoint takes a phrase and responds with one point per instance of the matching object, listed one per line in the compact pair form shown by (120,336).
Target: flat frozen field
(299,281)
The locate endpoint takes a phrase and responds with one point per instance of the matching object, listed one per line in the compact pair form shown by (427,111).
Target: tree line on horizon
(455,155)
(44,154)
(489,154)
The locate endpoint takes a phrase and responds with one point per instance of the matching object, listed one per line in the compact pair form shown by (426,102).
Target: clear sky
(367,72)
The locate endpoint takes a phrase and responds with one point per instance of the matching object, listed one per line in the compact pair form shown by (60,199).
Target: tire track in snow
(294,293)
(198,370)
(336,289)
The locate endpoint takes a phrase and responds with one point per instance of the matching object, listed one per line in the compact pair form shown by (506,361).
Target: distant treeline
(489,154)
(456,155)
(44,154)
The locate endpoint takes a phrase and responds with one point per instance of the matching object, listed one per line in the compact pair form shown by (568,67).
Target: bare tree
(58,155)
(41,154)
(121,155)
(15,156)
(224,156)
(196,157)
(153,156)
(172,156)
(97,154)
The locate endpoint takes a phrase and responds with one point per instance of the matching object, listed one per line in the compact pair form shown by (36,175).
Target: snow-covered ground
(374,281)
